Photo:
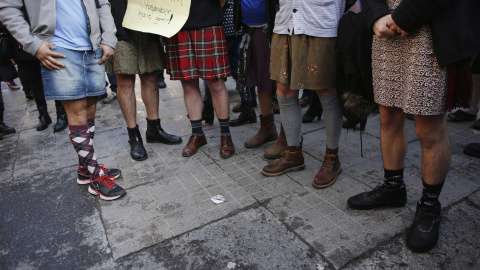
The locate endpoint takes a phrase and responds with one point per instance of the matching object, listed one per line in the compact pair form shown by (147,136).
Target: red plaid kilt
(198,53)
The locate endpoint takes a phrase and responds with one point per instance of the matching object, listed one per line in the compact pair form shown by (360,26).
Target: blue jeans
(112,79)
(233,46)
(81,77)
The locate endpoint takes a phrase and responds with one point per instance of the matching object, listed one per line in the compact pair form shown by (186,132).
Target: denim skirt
(81,77)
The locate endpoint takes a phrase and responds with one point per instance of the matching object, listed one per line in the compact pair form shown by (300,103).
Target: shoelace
(102,167)
(107,181)
(327,161)
(427,218)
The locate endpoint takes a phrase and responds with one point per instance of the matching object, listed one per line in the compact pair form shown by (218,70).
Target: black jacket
(272,6)
(455,24)
(119,7)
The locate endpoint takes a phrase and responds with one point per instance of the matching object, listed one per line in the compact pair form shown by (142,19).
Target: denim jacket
(41,17)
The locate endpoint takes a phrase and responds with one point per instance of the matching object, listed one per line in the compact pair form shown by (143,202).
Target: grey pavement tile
(475,198)
(247,201)
(338,257)
(262,195)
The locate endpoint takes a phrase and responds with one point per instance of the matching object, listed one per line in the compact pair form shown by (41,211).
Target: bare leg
(150,94)
(193,99)
(219,97)
(283,90)
(436,151)
(91,107)
(126,98)
(265,101)
(393,138)
(76,111)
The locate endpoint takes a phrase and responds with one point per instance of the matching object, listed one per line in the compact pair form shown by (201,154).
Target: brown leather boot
(267,132)
(278,149)
(291,161)
(329,171)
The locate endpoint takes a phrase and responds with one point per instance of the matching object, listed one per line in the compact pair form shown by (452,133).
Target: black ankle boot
(62,122)
(207,113)
(137,151)
(43,118)
(379,197)
(314,110)
(424,232)
(156,134)
(4,129)
(246,116)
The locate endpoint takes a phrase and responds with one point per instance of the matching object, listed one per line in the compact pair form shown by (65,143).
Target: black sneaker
(83,178)
(378,197)
(106,188)
(424,232)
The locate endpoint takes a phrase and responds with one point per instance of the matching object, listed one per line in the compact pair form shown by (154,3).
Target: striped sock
(197,127)
(83,145)
(225,126)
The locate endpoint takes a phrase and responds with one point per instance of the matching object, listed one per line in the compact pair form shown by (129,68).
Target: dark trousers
(112,79)
(30,75)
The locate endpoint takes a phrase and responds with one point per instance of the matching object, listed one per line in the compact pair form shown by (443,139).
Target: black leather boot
(62,121)
(207,113)
(156,134)
(43,118)
(5,130)
(246,116)
(137,151)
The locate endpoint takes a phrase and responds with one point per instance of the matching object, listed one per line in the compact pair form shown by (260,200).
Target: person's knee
(216,86)
(283,90)
(430,132)
(391,117)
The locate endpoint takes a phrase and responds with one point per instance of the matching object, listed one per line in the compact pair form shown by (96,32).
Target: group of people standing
(286,45)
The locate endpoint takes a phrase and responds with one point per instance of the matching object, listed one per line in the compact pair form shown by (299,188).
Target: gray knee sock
(333,118)
(291,114)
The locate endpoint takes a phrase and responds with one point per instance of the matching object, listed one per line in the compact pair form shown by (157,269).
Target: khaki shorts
(303,62)
(142,53)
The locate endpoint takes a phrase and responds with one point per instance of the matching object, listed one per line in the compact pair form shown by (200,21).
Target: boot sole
(103,197)
(258,145)
(189,155)
(329,184)
(223,156)
(140,159)
(421,250)
(298,168)
(158,141)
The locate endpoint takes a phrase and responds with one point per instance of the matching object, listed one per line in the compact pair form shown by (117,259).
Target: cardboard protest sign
(161,17)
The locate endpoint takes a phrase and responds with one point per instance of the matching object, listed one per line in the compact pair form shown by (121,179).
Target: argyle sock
(393,178)
(196,127)
(430,194)
(83,145)
(225,126)
(82,166)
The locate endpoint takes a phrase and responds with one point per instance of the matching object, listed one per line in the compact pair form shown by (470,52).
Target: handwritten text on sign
(162,17)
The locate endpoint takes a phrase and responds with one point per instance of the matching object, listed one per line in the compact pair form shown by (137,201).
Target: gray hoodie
(41,15)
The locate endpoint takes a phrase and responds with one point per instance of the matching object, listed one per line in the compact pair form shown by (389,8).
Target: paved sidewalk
(167,220)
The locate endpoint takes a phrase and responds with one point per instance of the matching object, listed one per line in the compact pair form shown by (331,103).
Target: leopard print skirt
(406,73)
